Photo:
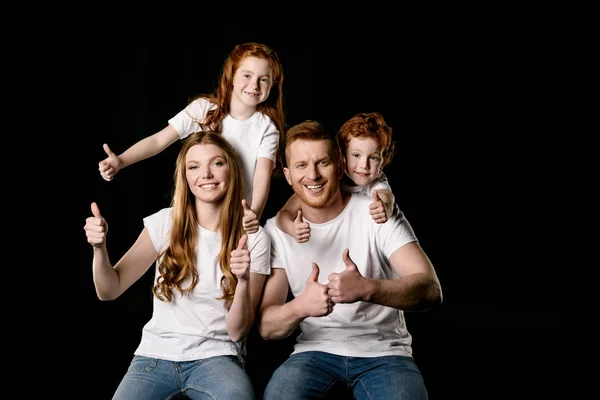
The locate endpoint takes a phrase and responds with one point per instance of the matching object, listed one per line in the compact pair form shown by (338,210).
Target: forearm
(106,279)
(416,292)
(149,146)
(285,221)
(241,313)
(259,196)
(279,321)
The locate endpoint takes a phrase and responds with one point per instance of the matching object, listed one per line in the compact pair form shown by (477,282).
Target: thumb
(347,260)
(375,195)
(245,205)
(96,210)
(107,150)
(242,241)
(314,275)
(299,216)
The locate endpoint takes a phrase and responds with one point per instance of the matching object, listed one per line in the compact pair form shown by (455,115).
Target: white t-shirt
(194,327)
(255,137)
(358,329)
(381,182)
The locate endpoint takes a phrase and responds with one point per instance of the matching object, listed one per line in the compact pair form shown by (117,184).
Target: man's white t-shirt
(358,329)
(252,138)
(193,326)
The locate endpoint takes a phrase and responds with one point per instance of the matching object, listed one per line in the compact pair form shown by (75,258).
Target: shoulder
(201,104)
(159,217)
(265,121)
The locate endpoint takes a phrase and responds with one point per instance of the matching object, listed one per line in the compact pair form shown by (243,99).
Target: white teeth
(208,186)
(313,186)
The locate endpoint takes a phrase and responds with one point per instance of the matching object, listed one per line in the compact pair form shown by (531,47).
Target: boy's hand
(377,209)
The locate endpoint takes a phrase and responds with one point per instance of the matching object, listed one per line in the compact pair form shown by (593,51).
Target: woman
(209,277)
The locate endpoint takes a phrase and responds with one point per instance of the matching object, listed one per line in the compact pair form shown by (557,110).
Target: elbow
(435,296)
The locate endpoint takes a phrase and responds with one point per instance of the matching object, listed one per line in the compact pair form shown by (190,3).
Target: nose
(363,163)
(206,173)
(312,172)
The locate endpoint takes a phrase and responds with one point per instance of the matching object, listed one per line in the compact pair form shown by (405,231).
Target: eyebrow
(210,160)
(252,72)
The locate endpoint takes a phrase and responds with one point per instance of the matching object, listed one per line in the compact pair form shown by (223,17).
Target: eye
(218,163)
(355,155)
(265,80)
(375,158)
(191,167)
(247,76)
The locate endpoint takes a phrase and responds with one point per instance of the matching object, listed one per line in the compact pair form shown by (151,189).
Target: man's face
(312,173)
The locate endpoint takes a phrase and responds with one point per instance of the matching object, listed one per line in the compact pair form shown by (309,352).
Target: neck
(329,211)
(239,111)
(209,215)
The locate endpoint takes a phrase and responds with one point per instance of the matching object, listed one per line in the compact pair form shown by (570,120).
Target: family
(339,261)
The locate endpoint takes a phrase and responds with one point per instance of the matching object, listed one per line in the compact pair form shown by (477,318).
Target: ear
(286,172)
(342,167)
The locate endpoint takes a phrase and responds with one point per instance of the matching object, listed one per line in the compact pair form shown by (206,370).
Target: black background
(465,107)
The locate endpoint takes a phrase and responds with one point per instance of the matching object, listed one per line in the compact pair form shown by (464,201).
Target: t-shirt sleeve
(272,231)
(395,233)
(270,143)
(187,120)
(159,226)
(259,244)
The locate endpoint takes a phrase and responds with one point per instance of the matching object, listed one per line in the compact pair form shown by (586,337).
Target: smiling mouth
(208,186)
(313,187)
(253,94)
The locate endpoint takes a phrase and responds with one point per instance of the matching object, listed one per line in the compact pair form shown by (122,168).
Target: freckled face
(312,173)
(252,81)
(363,160)
(206,172)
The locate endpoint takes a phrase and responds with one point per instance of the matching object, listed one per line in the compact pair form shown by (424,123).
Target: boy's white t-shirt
(253,138)
(193,326)
(381,182)
(358,329)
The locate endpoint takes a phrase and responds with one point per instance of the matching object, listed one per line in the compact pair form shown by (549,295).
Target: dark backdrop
(462,107)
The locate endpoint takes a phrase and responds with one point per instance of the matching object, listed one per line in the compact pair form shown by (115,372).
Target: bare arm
(261,185)
(289,219)
(242,313)
(278,319)
(418,287)
(141,150)
(111,282)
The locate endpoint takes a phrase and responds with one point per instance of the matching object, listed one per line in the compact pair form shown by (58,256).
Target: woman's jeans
(220,377)
(310,374)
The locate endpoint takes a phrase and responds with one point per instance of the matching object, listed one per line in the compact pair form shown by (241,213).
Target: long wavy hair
(368,125)
(179,258)
(221,97)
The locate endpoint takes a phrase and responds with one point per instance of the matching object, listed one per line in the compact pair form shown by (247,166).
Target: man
(350,282)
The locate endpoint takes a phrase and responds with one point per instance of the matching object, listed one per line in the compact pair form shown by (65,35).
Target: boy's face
(363,160)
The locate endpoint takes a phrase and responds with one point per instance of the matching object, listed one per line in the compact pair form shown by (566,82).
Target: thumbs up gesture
(240,259)
(110,165)
(314,299)
(347,286)
(377,209)
(301,229)
(96,228)
(249,221)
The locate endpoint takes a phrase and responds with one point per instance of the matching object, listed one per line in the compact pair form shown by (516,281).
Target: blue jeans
(220,377)
(311,374)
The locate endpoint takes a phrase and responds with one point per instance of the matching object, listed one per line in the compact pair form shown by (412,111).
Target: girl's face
(207,173)
(363,160)
(252,81)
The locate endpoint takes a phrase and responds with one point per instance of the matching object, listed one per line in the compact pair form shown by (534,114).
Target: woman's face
(207,172)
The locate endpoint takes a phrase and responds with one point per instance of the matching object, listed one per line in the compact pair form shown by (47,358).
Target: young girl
(366,144)
(208,280)
(246,108)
